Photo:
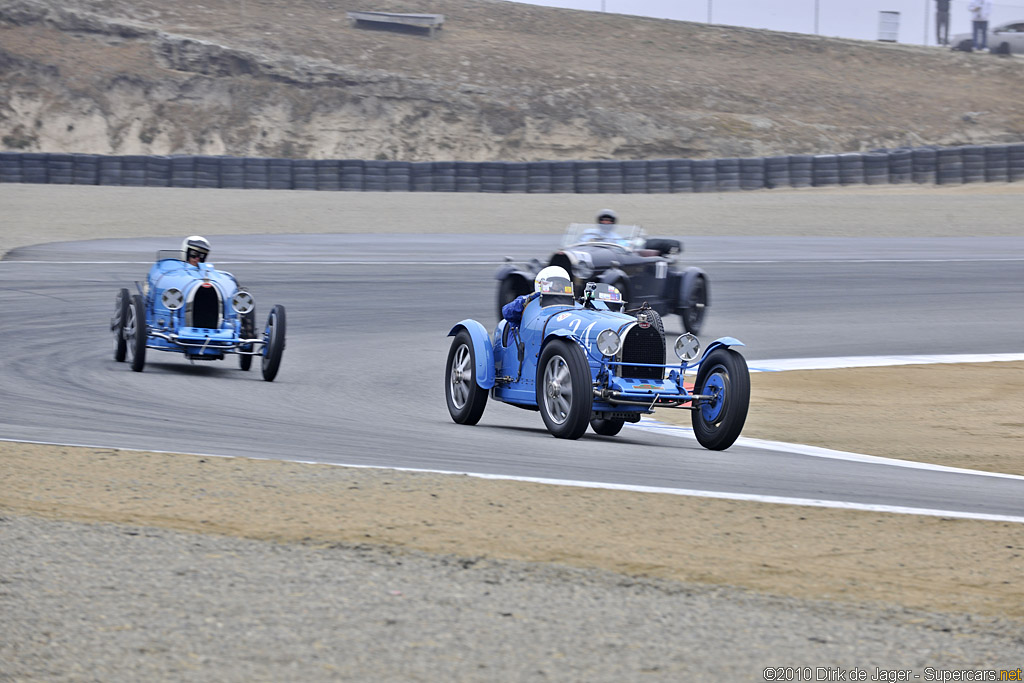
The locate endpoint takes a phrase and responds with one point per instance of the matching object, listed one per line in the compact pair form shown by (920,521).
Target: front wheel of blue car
(273,348)
(565,393)
(136,334)
(718,420)
(465,398)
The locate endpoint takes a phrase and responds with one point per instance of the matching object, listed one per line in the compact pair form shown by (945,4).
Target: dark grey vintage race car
(643,269)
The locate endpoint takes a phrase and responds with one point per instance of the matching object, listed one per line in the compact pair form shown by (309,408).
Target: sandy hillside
(502,81)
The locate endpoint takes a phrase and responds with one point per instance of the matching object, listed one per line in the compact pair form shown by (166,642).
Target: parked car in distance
(1004,39)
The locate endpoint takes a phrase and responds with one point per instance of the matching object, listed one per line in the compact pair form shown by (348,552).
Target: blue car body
(632,382)
(198,311)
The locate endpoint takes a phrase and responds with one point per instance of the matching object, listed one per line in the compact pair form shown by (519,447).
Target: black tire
(508,290)
(465,398)
(136,332)
(564,392)
(248,332)
(609,427)
(653,317)
(693,309)
(273,334)
(717,424)
(117,325)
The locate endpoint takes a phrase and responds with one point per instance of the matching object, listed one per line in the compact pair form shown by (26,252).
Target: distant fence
(942,166)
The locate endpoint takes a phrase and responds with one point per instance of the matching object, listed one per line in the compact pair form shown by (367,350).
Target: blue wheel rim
(715,385)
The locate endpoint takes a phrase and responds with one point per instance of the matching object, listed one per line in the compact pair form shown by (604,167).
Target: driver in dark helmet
(604,230)
(195,249)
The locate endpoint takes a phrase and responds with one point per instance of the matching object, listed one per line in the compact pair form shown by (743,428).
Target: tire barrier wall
(932,165)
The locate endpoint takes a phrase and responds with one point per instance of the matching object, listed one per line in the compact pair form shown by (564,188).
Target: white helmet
(195,245)
(607,213)
(544,282)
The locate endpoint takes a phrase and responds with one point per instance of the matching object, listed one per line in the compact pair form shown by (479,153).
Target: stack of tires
(752,172)
(85,169)
(375,175)
(10,167)
(517,177)
(609,177)
(563,177)
(399,176)
(659,178)
(492,176)
(727,174)
(328,175)
(183,171)
(997,166)
(444,176)
(801,170)
(207,172)
(634,177)
(901,166)
(704,175)
(1015,162)
(279,174)
(776,172)
(949,166)
(538,177)
(232,172)
(825,170)
(467,176)
(586,177)
(973,159)
(924,165)
(680,173)
(851,169)
(256,173)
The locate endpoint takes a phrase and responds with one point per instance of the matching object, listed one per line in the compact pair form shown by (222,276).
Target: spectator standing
(942,22)
(980,11)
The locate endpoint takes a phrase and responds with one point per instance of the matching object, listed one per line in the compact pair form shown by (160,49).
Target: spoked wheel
(465,398)
(696,303)
(273,349)
(248,331)
(136,333)
(717,422)
(609,427)
(117,325)
(564,390)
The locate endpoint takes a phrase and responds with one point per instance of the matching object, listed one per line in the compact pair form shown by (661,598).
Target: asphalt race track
(361,381)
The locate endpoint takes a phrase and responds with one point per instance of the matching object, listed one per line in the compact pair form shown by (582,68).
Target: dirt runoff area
(929,563)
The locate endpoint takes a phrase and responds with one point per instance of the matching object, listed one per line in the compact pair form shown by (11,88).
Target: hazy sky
(845,18)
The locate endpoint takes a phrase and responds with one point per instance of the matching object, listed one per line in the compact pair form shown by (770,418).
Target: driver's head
(607,217)
(554,286)
(195,249)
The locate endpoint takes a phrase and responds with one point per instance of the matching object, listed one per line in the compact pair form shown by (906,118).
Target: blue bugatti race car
(189,307)
(583,361)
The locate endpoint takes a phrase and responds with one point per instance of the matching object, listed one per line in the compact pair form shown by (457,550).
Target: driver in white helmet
(552,284)
(195,249)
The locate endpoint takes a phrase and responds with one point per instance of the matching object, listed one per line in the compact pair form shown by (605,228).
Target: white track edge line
(756,498)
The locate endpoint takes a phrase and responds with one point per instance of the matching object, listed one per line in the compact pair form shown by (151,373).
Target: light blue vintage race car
(585,361)
(196,310)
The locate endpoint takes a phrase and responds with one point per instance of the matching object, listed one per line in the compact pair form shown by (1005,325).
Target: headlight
(608,342)
(687,347)
(242,302)
(172,299)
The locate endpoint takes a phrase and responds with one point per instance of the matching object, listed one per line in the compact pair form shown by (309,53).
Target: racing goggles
(195,253)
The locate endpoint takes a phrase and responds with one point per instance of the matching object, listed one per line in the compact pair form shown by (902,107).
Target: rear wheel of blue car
(248,331)
(564,391)
(136,333)
(465,398)
(609,427)
(273,349)
(717,421)
(117,325)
